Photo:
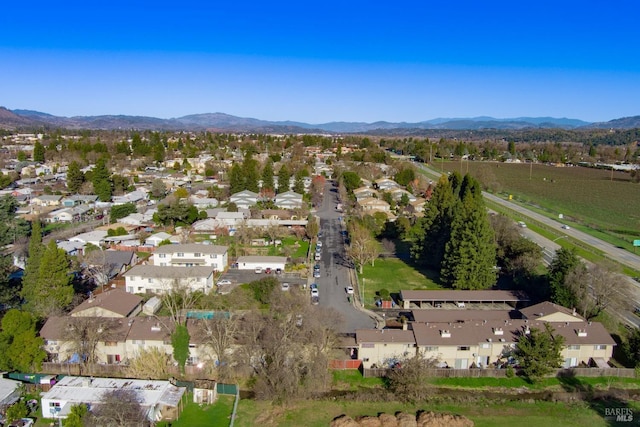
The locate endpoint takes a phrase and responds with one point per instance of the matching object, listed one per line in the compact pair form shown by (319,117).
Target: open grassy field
(394,274)
(320,413)
(593,198)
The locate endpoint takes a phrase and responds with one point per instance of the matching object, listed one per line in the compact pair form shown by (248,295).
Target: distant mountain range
(28,119)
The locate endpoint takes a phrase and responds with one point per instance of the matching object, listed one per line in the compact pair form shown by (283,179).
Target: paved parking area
(238,277)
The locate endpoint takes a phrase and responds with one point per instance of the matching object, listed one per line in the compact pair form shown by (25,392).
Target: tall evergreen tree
(101,179)
(298,183)
(236,179)
(433,231)
(267,176)
(38,152)
(284,175)
(75,177)
(52,290)
(32,268)
(250,173)
(470,254)
(564,262)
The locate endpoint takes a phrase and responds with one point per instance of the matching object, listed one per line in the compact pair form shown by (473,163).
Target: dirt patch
(403,419)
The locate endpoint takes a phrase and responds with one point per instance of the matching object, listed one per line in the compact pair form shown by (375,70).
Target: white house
(289,200)
(95,237)
(156,238)
(9,392)
(159,399)
(192,254)
(244,199)
(155,279)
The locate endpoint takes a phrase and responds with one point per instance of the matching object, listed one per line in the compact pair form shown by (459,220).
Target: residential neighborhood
(148,277)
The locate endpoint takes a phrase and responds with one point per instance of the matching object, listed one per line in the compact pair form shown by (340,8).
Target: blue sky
(323,61)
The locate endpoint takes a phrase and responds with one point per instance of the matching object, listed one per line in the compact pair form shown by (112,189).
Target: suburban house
(113,303)
(252,262)
(159,399)
(156,238)
(46,200)
(95,237)
(192,254)
(397,193)
(244,199)
(68,214)
(132,197)
(79,199)
(9,392)
(156,279)
(118,340)
(289,200)
(364,193)
(442,298)
(371,204)
(384,347)
(385,184)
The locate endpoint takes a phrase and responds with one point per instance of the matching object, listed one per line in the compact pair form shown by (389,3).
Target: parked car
(318,256)
(349,290)
(258,270)
(314,293)
(566,227)
(319,244)
(284,286)
(267,270)
(22,422)
(278,271)
(313,286)
(224,282)
(316,274)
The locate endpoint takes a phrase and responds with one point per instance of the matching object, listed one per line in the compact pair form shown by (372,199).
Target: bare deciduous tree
(179,298)
(363,247)
(598,287)
(85,333)
(119,408)
(219,334)
(151,362)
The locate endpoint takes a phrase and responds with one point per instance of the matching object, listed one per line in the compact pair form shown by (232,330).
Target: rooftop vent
(156,328)
(582,332)
(445,333)
(498,331)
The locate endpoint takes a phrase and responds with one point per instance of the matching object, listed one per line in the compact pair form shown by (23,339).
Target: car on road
(278,271)
(318,245)
(267,270)
(566,227)
(284,286)
(258,270)
(315,293)
(318,256)
(316,267)
(349,290)
(316,274)
(315,300)
(522,224)
(224,282)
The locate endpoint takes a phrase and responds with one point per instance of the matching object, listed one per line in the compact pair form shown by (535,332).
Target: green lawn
(394,275)
(216,415)
(321,412)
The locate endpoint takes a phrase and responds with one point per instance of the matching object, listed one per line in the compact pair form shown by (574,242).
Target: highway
(549,247)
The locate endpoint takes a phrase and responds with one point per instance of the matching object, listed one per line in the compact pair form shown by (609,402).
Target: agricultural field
(593,198)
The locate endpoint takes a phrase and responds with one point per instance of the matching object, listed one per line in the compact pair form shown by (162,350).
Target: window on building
(197,255)
(574,347)
(180,254)
(600,347)
(431,348)
(162,255)
(485,345)
(463,348)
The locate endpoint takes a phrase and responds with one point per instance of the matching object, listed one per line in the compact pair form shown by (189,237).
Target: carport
(252,262)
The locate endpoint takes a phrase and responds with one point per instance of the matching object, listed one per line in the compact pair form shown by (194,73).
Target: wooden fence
(345,364)
(115,371)
(502,373)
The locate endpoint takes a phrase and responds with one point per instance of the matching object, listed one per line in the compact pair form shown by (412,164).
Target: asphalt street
(334,267)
